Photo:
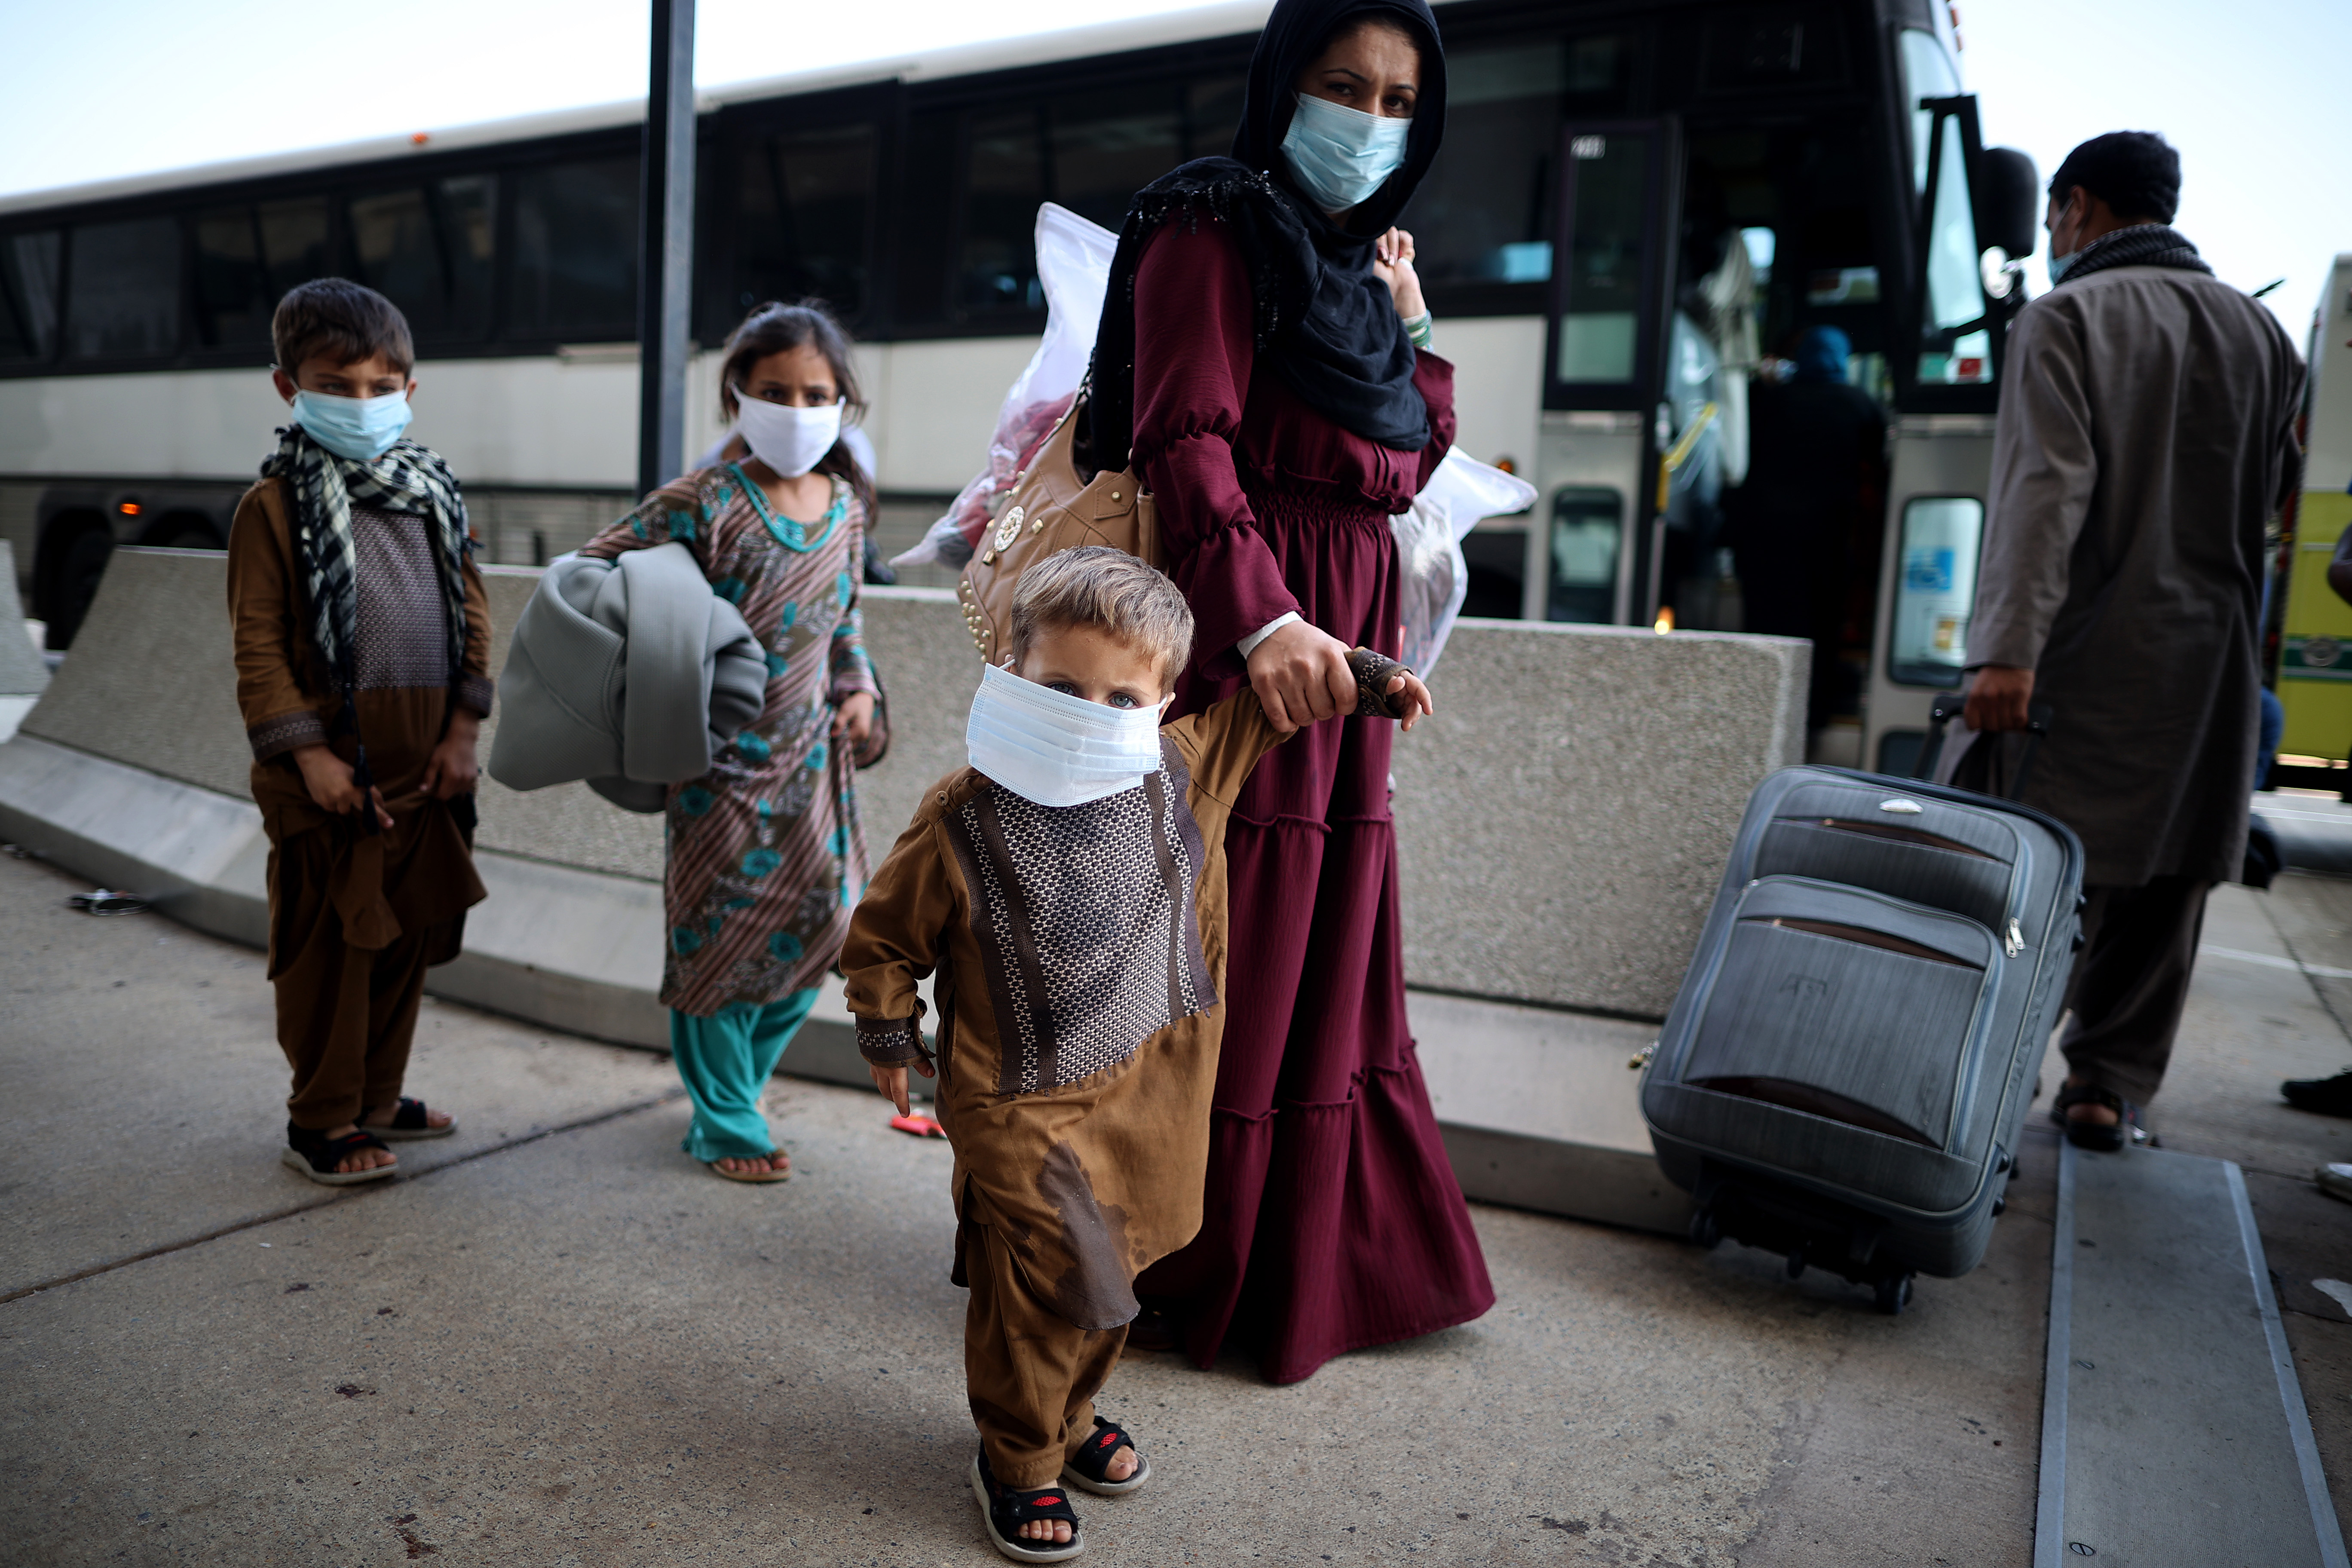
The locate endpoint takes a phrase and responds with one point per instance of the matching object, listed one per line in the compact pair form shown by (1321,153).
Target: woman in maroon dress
(1260,357)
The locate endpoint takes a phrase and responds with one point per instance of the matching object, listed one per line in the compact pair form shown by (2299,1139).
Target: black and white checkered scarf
(409,478)
(2141,245)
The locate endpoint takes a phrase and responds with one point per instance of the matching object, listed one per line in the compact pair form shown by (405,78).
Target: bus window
(576,231)
(1935,590)
(246,257)
(122,290)
(1484,216)
(29,296)
(1600,293)
(1004,182)
(802,200)
(429,249)
(1588,530)
(1955,343)
(1107,145)
(1926,73)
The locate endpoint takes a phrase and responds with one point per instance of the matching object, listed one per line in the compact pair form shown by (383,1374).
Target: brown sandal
(771,1175)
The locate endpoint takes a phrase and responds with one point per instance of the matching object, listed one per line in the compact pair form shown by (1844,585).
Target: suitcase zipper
(2014,942)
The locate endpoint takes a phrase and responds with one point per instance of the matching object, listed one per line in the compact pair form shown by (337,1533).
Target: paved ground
(558,1341)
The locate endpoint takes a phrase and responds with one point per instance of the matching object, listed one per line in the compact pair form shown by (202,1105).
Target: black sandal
(1004,1509)
(409,1120)
(1090,1466)
(316,1156)
(2128,1129)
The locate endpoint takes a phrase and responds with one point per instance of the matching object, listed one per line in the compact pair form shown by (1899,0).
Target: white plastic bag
(1074,266)
(1434,575)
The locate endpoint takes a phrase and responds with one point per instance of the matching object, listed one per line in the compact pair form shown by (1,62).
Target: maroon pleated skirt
(1333,1220)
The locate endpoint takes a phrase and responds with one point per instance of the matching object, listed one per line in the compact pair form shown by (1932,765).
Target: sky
(110,88)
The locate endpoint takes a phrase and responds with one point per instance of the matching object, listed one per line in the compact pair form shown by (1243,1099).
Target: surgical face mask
(789,440)
(1055,749)
(2058,262)
(1339,155)
(360,429)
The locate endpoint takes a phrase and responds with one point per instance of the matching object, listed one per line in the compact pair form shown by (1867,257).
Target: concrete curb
(1536,1106)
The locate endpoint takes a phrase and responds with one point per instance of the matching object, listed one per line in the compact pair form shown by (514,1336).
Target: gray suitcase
(1848,1064)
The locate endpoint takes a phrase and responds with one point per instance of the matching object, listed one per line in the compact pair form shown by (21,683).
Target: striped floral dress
(766,854)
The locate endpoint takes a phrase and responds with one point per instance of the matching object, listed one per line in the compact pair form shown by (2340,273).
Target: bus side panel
(1935,455)
(2314,677)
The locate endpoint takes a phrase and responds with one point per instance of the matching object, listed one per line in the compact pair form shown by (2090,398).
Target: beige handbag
(1052,510)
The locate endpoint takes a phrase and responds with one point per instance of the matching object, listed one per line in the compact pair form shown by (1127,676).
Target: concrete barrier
(23,675)
(1562,822)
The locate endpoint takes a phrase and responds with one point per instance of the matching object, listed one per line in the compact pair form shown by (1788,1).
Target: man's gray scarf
(2141,245)
(408,479)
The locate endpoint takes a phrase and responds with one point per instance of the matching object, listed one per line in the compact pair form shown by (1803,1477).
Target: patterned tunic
(1077,955)
(766,854)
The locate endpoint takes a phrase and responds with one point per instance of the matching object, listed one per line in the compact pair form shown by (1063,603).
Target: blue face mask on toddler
(360,429)
(1339,155)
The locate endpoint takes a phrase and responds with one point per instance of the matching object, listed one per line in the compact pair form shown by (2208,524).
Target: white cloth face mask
(1055,749)
(1339,155)
(789,440)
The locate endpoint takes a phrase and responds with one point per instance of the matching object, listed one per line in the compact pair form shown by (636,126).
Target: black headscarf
(1324,319)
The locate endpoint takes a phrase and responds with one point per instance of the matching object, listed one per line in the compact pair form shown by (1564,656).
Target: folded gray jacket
(628,674)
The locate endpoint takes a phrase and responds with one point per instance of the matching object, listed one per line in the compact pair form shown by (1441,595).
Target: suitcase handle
(1948,706)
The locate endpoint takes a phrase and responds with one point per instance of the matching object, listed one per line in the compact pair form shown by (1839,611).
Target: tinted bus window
(1600,323)
(246,257)
(1107,145)
(575,236)
(1004,179)
(29,296)
(123,290)
(803,199)
(1090,151)
(430,249)
(1484,214)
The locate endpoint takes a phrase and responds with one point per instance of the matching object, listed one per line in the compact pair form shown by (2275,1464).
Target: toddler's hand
(1415,702)
(892,1083)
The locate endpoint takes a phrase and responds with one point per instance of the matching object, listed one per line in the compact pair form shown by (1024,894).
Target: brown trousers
(1031,1375)
(346,1016)
(2131,983)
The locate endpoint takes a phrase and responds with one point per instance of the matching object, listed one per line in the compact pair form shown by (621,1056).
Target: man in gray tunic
(2146,435)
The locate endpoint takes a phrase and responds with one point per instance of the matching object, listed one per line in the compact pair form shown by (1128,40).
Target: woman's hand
(329,779)
(1393,261)
(1301,677)
(854,721)
(452,771)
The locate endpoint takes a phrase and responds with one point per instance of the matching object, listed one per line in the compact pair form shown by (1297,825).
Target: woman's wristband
(1419,330)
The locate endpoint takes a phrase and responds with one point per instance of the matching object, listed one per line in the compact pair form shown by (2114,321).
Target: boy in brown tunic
(362,644)
(1068,892)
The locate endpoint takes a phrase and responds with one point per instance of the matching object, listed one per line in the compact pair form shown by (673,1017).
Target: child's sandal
(316,1156)
(1090,1466)
(1004,1509)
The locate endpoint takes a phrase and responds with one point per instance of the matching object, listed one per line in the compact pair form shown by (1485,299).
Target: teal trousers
(724,1061)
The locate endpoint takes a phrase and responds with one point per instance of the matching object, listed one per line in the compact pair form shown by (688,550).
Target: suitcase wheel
(1705,1229)
(1893,1294)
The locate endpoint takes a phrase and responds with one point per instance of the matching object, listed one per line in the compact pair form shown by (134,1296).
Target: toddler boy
(1069,892)
(362,644)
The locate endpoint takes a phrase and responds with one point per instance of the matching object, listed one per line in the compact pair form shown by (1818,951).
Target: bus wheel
(75,585)
(187,531)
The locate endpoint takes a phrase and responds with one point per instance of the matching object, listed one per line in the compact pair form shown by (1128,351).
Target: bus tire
(73,584)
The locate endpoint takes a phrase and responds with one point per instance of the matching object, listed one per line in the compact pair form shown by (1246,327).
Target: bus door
(1592,554)
(1942,461)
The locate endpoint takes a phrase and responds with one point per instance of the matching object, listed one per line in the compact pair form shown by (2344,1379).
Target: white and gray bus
(1602,159)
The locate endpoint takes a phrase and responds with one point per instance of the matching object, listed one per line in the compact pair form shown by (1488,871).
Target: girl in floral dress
(766,856)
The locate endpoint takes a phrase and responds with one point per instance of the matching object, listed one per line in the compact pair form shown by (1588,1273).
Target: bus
(2314,623)
(1603,162)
